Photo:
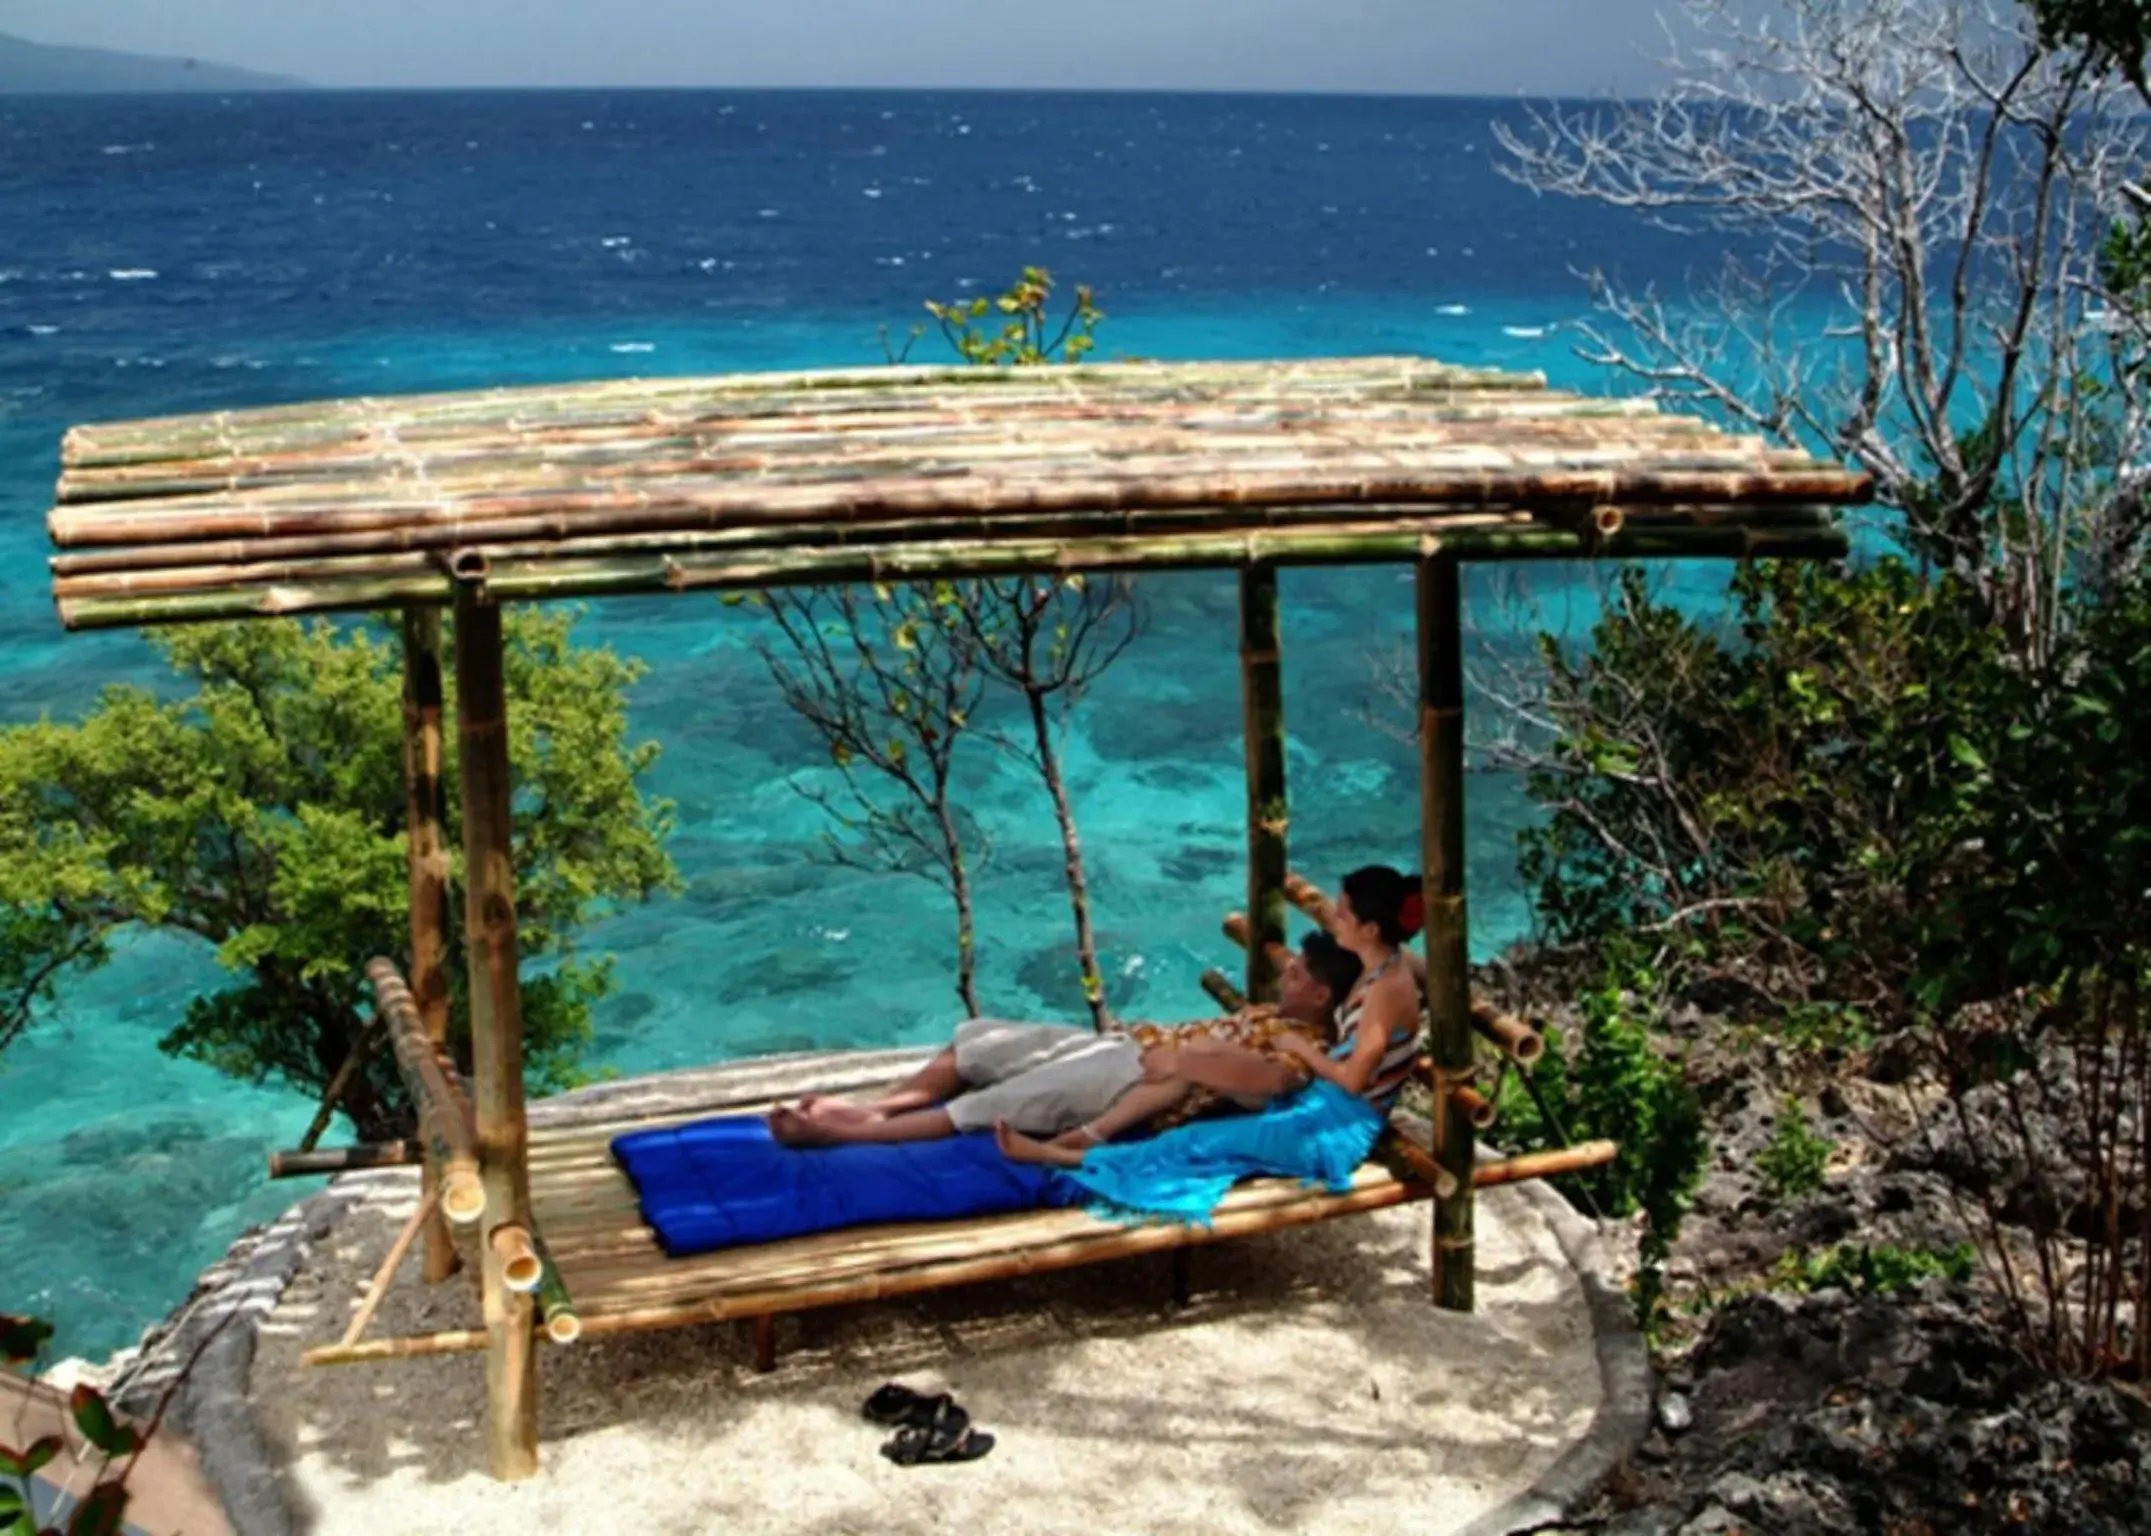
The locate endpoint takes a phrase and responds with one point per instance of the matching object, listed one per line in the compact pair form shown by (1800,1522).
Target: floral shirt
(1259,1027)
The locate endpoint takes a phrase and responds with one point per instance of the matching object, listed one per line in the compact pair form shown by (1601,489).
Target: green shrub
(1868,1271)
(1617,1083)
(1794,1161)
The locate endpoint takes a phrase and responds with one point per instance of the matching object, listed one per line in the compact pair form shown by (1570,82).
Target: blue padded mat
(721,1183)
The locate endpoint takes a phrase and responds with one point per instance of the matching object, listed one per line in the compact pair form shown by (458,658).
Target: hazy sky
(1454,46)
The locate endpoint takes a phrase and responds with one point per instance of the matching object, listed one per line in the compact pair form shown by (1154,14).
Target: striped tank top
(1395,1068)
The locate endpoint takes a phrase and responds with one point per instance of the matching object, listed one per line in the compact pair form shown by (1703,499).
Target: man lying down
(1062,1081)
(1317,1076)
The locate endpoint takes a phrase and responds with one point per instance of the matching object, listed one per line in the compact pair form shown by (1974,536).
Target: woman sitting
(1320,1110)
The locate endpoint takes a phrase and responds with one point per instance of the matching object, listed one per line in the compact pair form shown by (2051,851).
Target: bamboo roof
(751,480)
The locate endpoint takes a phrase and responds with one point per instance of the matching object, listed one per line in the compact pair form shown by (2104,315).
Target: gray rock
(1675,1416)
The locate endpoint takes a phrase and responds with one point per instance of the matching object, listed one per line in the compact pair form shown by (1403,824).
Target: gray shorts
(1042,1079)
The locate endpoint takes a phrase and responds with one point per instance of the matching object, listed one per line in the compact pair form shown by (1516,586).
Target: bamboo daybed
(469,501)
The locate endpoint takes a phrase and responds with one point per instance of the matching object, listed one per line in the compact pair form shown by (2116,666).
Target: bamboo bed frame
(465,502)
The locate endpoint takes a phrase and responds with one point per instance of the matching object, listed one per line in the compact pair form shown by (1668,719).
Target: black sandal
(924,1444)
(900,1405)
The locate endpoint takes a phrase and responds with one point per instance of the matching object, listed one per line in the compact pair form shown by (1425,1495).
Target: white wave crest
(1524,332)
(1452,309)
(634,346)
(131,274)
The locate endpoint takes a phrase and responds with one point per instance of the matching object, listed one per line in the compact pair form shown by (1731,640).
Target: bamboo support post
(371,1301)
(496,1032)
(1448,985)
(333,1095)
(304,1162)
(1474,1106)
(1183,1277)
(425,794)
(764,1329)
(1268,817)
(444,1123)
(1222,991)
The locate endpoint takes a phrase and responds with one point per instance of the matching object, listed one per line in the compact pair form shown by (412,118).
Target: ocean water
(180,254)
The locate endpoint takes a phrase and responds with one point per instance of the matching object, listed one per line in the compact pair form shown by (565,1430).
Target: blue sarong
(1320,1135)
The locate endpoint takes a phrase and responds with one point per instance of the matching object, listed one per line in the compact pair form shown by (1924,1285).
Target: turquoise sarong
(1319,1135)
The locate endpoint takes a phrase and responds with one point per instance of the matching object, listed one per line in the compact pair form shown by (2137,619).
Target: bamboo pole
(1545,1165)
(331,1096)
(1268,817)
(371,1301)
(1235,928)
(304,1162)
(556,1308)
(1111,1243)
(1510,1035)
(1448,983)
(1222,991)
(496,1032)
(1474,1106)
(470,546)
(1096,469)
(520,1266)
(425,818)
(445,1124)
(552,578)
(1304,894)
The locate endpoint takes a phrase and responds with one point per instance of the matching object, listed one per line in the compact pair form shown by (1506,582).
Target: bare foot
(792,1129)
(836,1114)
(1019,1148)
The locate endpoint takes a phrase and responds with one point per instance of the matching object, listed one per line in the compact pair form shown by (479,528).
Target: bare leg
(794,1129)
(934,1083)
(1019,1148)
(1145,1101)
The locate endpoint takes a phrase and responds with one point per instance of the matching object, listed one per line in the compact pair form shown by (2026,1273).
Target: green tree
(888,677)
(262,812)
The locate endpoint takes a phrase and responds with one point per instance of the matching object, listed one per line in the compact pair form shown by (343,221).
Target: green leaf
(1967,754)
(14,1515)
(93,1416)
(102,1513)
(24,1463)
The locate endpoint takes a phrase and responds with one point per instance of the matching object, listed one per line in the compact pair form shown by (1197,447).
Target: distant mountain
(27,66)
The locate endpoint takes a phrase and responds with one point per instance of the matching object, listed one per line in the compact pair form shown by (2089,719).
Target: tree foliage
(260,812)
(889,676)
(890,679)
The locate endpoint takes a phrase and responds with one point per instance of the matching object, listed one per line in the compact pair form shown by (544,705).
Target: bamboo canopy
(757,480)
(761,479)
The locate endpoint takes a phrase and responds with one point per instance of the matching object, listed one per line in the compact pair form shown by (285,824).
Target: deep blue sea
(184,254)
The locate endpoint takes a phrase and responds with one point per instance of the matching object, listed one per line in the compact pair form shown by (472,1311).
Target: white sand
(1311,1386)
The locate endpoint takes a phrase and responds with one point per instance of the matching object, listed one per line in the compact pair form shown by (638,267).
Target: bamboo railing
(446,1126)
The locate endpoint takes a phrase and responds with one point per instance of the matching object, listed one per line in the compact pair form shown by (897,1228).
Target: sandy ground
(1310,1386)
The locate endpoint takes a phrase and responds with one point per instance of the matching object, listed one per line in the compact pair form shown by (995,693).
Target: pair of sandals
(930,1428)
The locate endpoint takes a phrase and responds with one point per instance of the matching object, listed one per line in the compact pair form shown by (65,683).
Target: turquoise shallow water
(324,256)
